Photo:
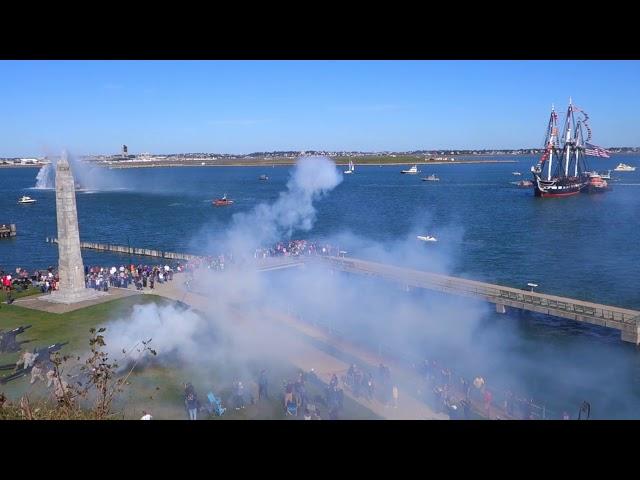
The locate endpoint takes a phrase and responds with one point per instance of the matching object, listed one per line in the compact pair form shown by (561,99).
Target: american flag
(595,151)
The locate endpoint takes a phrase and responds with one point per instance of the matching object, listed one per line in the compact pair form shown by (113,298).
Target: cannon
(8,342)
(42,360)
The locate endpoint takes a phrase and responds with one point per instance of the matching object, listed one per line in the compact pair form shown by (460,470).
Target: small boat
(412,171)
(623,167)
(605,176)
(431,178)
(427,238)
(26,200)
(263,177)
(523,183)
(516,173)
(222,202)
(351,168)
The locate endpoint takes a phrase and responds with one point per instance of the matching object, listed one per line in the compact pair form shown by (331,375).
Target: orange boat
(222,202)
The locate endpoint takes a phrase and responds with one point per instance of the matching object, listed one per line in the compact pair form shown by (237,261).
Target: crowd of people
(457,395)
(296,248)
(46,280)
(210,262)
(461,396)
(140,276)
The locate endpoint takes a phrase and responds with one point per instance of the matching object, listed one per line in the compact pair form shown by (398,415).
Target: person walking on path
(262,385)
(190,401)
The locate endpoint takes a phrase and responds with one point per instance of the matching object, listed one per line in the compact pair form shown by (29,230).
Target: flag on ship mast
(595,151)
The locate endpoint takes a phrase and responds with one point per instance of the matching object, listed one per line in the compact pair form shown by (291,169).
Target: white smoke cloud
(312,178)
(171,330)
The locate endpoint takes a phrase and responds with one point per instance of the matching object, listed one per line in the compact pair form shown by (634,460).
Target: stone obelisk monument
(70,267)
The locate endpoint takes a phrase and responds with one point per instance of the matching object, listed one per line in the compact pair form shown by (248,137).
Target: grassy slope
(156,388)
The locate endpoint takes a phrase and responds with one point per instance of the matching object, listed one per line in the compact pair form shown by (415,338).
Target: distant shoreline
(288,164)
(20,166)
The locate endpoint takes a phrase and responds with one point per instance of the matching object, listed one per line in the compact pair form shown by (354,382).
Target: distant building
(125,151)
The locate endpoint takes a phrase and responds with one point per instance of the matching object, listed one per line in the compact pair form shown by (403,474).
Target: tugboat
(412,171)
(26,200)
(431,178)
(597,184)
(569,176)
(222,202)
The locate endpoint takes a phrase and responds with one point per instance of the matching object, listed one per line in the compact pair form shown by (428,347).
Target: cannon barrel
(20,329)
(56,346)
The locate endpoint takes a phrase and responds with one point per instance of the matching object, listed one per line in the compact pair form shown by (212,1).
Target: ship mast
(566,135)
(551,141)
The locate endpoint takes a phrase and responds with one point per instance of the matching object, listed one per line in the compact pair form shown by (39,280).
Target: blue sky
(247,106)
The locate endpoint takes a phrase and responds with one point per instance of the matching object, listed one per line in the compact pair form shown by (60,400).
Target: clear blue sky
(247,106)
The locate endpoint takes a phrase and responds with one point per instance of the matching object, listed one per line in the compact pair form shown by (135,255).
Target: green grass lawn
(15,294)
(157,388)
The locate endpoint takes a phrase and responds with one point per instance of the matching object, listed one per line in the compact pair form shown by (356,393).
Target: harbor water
(583,246)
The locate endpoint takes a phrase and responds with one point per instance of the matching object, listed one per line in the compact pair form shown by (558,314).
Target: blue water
(583,246)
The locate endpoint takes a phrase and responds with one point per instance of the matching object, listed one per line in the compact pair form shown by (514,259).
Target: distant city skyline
(241,107)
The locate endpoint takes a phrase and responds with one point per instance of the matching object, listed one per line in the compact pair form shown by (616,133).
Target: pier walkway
(625,320)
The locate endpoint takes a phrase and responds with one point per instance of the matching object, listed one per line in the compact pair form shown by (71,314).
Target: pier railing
(625,320)
(104,247)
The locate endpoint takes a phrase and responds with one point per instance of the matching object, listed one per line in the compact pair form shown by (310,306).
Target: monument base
(74,297)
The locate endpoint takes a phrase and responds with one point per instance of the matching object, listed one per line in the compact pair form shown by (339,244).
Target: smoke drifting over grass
(239,297)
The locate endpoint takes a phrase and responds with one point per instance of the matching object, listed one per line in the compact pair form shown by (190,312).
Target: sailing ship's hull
(563,187)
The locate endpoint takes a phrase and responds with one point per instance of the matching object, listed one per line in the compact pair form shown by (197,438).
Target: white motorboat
(516,173)
(427,238)
(431,178)
(26,199)
(623,167)
(412,171)
(351,168)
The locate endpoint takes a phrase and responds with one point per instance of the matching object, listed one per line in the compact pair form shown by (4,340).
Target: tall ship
(562,170)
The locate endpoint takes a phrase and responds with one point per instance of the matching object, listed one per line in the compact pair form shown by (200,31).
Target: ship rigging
(562,169)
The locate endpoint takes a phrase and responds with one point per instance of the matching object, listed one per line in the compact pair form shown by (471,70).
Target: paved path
(36,302)
(302,353)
